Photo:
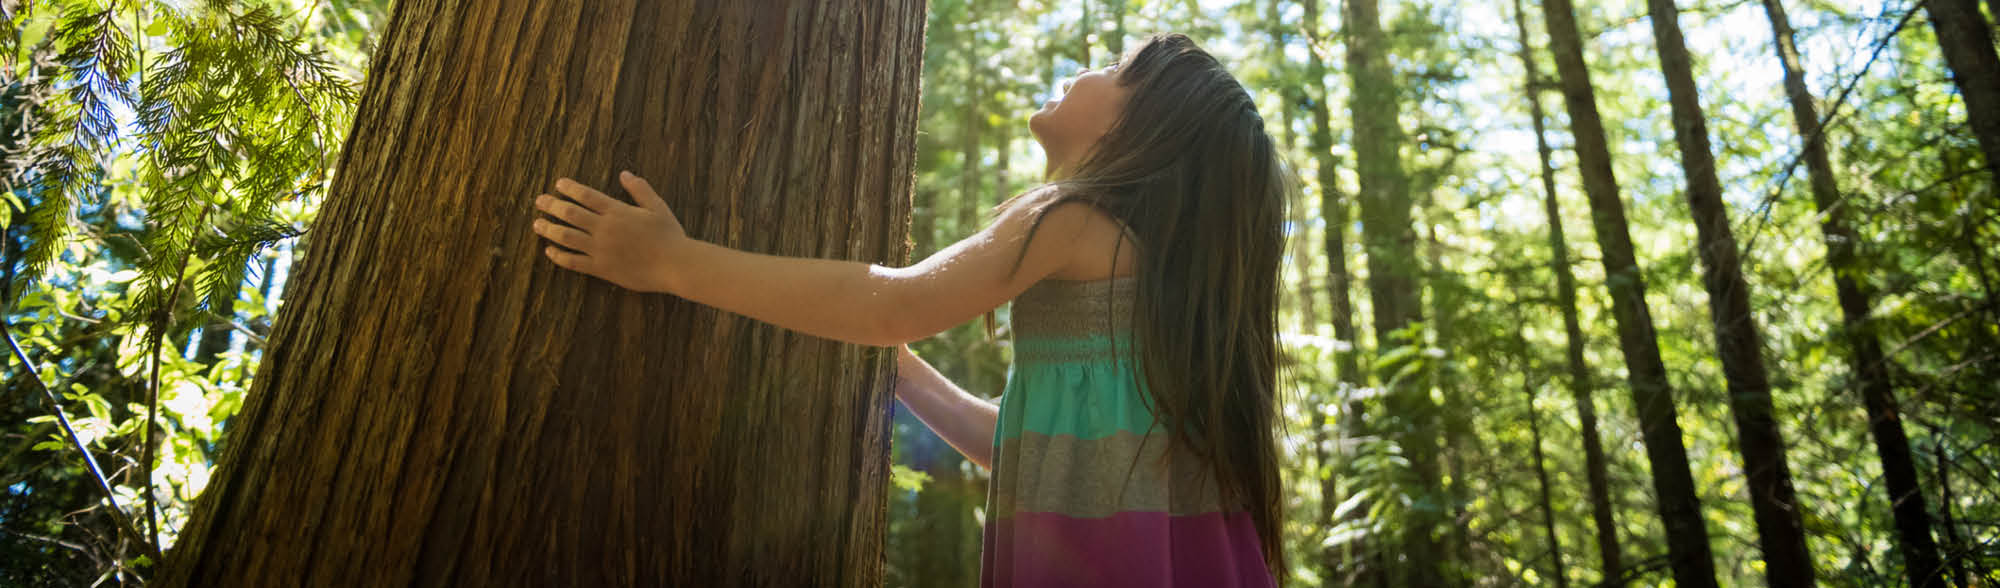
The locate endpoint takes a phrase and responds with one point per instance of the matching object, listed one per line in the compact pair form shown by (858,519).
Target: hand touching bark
(631,246)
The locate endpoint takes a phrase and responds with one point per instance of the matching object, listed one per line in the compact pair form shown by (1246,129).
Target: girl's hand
(631,246)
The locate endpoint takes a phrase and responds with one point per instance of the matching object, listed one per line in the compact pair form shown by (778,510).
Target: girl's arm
(644,248)
(961,419)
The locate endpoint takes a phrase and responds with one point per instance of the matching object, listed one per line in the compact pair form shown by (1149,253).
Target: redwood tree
(441,405)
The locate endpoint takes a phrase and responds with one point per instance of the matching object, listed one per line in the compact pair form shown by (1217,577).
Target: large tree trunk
(1392,278)
(441,405)
(1580,382)
(1967,41)
(1738,341)
(1865,358)
(1652,398)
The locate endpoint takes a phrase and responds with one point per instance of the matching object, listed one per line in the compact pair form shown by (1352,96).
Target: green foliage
(155,154)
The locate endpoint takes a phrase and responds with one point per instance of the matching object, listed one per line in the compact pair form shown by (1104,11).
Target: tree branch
(55,406)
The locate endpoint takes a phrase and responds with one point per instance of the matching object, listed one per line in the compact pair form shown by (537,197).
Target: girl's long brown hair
(1189,169)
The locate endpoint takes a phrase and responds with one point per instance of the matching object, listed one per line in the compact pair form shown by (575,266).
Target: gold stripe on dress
(1095,478)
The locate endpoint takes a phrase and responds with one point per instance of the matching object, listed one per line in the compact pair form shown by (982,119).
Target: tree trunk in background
(1738,341)
(1392,277)
(946,552)
(1116,44)
(1951,538)
(440,404)
(1652,398)
(923,224)
(1865,359)
(1580,382)
(1084,28)
(1458,434)
(1003,149)
(971,127)
(1541,469)
(1967,40)
(265,282)
(215,331)
(1333,208)
(1291,101)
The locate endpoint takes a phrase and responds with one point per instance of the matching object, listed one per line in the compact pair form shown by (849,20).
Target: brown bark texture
(1691,559)
(441,405)
(1865,358)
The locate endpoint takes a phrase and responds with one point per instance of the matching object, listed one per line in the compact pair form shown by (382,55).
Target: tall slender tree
(1738,341)
(1547,503)
(1392,278)
(1688,550)
(1339,282)
(1580,381)
(1334,206)
(440,404)
(1865,360)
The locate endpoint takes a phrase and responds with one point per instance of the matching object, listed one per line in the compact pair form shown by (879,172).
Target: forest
(1690,293)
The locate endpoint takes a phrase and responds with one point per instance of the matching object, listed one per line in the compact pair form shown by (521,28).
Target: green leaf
(907,479)
(1347,507)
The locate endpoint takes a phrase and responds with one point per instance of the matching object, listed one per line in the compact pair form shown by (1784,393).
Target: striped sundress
(1085,489)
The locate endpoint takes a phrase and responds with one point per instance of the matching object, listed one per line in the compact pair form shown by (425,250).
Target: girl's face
(1068,126)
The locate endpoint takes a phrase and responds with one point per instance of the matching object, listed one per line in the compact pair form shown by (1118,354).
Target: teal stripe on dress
(1034,399)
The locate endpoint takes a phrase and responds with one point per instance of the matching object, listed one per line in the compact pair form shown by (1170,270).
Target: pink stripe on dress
(1124,549)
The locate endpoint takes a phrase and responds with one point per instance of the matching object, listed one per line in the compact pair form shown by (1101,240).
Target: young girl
(1133,444)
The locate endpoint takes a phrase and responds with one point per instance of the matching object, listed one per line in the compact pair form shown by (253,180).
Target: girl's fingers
(576,216)
(642,191)
(586,195)
(564,236)
(568,260)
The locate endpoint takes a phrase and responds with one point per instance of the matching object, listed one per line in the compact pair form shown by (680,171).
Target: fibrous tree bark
(1692,561)
(439,404)
(1738,341)
(1580,382)
(1865,358)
